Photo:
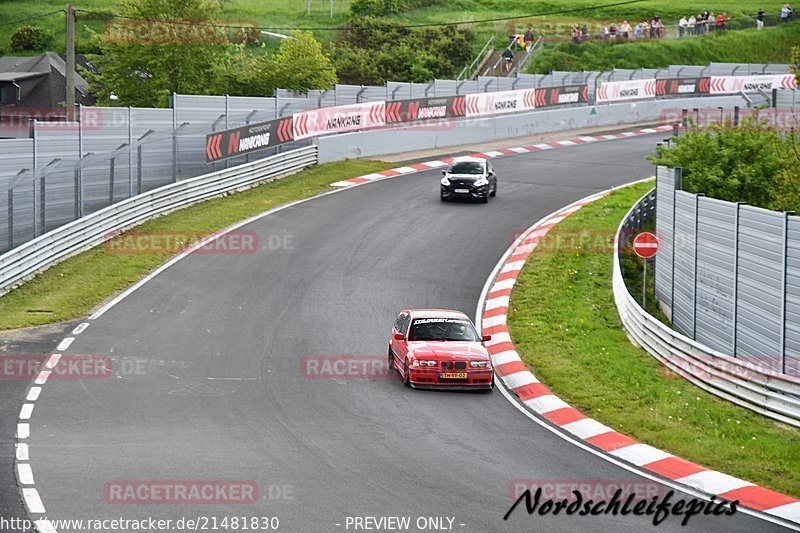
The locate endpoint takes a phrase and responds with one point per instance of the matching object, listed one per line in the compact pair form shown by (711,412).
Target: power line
(400,26)
(32,17)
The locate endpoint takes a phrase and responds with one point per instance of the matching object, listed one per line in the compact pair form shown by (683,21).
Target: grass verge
(566,328)
(73,287)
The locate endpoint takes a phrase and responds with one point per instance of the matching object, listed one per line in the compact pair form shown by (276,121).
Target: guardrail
(467,72)
(26,260)
(769,393)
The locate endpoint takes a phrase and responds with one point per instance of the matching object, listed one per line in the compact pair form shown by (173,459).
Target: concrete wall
(411,138)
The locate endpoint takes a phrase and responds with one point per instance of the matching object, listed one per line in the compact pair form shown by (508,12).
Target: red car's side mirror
(399,336)
(486,338)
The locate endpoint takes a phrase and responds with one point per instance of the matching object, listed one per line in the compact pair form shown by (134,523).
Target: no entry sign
(645,245)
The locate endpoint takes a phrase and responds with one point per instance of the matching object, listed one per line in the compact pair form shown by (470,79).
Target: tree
(299,65)
(157,47)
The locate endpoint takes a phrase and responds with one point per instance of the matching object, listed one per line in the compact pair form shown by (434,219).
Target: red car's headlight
(422,362)
(479,364)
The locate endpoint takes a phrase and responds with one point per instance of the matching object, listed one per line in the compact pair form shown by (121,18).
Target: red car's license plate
(454,375)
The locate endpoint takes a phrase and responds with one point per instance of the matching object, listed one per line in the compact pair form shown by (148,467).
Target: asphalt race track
(210,382)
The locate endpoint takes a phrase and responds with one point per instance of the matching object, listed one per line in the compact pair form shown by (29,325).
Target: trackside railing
(746,384)
(26,260)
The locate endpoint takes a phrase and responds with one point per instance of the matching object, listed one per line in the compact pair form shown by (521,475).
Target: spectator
(584,33)
(637,31)
(528,38)
(659,26)
(612,31)
(710,22)
(786,12)
(508,57)
(690,26)
(625,30)
(645,28)
(576,34)
(760,20)
(604,32)
(702,20)
(721,18)
(682,24)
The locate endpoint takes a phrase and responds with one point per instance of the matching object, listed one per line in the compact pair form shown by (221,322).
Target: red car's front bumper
(432,378)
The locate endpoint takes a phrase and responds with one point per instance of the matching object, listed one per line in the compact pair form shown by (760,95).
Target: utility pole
(70,74)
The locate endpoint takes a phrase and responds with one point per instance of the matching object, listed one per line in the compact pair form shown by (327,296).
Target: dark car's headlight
(481,182)
(445,181)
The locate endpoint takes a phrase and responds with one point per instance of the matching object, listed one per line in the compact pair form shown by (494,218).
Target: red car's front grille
(454,365)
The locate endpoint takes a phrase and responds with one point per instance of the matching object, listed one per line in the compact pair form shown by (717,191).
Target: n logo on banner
(233,142)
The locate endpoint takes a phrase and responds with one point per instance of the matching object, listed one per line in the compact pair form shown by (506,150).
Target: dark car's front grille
(466,184)
(454,365)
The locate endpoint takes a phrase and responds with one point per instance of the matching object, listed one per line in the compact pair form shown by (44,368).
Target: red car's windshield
(442,329)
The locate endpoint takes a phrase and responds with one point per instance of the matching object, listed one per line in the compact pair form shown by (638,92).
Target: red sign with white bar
(615,91)
(495,103)
(339,119)
(645,245)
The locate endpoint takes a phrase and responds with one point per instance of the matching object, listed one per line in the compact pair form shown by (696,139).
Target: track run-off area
(211,377)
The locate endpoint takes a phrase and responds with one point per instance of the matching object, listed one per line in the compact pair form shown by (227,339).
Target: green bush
(30,38)
(376,8)
(374,50)
(751,163)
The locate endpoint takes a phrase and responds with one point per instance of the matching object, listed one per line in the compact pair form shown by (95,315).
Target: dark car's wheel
(443,198)
(406,375)
(494,191)
(485,199)
(391,361)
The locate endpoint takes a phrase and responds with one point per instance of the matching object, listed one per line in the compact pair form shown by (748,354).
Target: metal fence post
(227,125)
(76,192)
(111,182)
(694,260)
(676,185)
(10,218)
(139,169)
(736,280)
(35,205)
(130,153)
(43,203)
(783,289)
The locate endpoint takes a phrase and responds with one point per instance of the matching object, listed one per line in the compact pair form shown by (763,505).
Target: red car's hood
(449,350)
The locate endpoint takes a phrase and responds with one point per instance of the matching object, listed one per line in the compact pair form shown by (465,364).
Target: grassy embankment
(566,328)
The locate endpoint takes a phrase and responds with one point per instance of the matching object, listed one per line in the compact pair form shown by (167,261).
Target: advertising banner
(245,139)
(422,109)
(339,119)
(615,91)
(563,95)
(734,84)
(494,103)
(682,86)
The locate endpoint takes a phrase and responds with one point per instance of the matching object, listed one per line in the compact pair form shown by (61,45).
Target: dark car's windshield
(467,167)
(442,329)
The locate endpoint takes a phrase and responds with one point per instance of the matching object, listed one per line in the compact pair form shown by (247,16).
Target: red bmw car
(439,349)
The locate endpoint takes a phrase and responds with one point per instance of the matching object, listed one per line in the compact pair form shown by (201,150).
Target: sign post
(645,245)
